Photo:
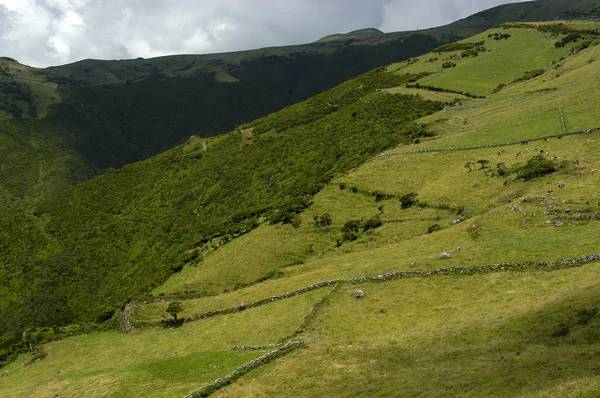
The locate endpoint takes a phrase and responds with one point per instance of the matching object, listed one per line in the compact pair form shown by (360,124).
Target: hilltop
(454,193)
(62,125)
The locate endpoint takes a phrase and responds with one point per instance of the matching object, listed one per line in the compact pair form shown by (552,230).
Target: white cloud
(49,32)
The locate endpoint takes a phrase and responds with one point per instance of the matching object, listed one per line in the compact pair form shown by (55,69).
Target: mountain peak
(355,34)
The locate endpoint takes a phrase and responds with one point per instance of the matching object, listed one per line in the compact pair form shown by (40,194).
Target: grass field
(155,361)
(501,63)
(507,334)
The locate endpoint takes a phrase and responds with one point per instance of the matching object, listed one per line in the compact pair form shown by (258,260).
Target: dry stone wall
(456,270)
(237,373)
(463,148)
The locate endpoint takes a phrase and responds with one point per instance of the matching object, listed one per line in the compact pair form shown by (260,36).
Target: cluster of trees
(499,36)
(442,90)
(537,166)
(570,38)
(353,228)
(15,98)
(460,46)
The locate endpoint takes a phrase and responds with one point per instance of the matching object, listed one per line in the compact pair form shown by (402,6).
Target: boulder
(359,294)
(445,255)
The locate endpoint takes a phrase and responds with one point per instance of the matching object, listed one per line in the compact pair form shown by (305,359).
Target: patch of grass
(459,335)
(501,63)
(155,361)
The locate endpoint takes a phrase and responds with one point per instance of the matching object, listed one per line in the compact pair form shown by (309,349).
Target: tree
(174,308)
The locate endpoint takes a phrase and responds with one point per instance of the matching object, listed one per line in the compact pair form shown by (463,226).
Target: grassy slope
(156,362)
(440,333)
(490,315)
(444,336)
(120,234)
(441,178)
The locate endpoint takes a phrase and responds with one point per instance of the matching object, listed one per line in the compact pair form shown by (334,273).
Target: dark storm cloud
(45,32)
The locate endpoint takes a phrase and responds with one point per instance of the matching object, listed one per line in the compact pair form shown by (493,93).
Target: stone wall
(463,148)
(244,306)
(237,373)
(457,270)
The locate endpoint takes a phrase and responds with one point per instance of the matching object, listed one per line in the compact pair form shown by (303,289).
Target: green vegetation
(174,308)
(535,167)
(235,88)
(156,361)
(456,335)
(500,64)
(119,235)
(336,193)
(530,74)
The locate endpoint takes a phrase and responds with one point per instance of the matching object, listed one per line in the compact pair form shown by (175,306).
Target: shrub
(473,52)
(501,170)
(409,200)
(464,46)
(323,220)
(379,196)
(537,166)
(448,64)
(372,223)
(433,228)
(499,87)
(474,231)
(530,74)
(350,230)
(570,38)
(485,164)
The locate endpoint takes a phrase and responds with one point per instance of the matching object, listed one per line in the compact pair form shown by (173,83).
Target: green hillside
(62,125)
(469,222)
(118,235)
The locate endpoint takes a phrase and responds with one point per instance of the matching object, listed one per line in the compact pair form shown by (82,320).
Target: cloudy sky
(52,32)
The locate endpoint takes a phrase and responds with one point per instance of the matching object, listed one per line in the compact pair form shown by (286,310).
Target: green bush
(351,230)
(434,228)
(408,200)
(324,220)
(529,75)
(461,46)
(372,223)
(537,166)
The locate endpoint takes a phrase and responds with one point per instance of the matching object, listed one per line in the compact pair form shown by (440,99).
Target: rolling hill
(428,228)
(62,125)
